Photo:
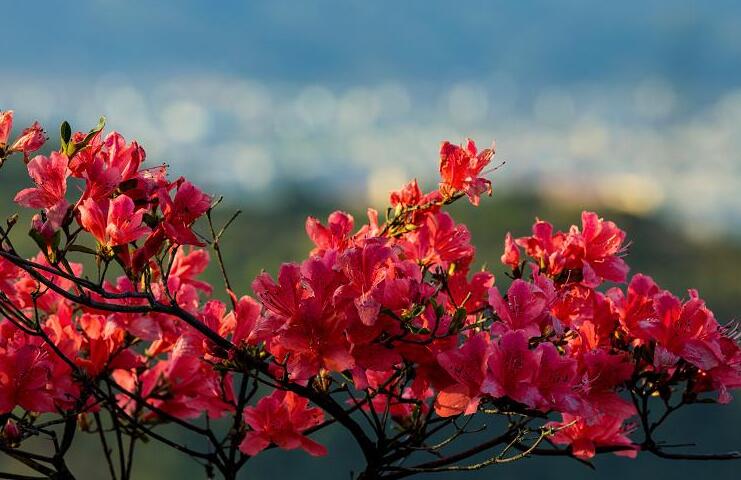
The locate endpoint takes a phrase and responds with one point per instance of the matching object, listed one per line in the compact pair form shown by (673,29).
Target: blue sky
(538,42)
(640,101)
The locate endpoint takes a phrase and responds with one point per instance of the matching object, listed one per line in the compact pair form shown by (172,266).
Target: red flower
(248,326)
(687,330)
(337,235)
(24,378)
(6,125)
(31,139)
(114,222)
(511,255)
(180,212)
(636,306)
(185,386)
(102,347)
(603,242)
(586,434)
(281,418)
(526,308)
(366,269)
(439,241)
(460,167)
(187,266)
(594,250)
(511,369)
(467,366)
(50,176)
(309,330)
(545,247)
(725,376)
(556,380)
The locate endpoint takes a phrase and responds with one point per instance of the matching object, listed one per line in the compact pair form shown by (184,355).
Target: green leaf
(66,134)
(72,148)
(92,133)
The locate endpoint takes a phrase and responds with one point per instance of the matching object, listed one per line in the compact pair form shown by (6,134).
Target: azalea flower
(525,308)
(50,176)
(467,367)
(182,211)
(281,418)
(460,167)
(511,255)
(24,376)
(112,223)
(335,236)
(31,139)
(686,330)
(584,435)
(603,243)
(366,269)
(511,369)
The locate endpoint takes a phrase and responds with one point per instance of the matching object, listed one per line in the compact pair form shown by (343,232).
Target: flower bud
(43,228)
(30,140)
(10,434)
(6,124)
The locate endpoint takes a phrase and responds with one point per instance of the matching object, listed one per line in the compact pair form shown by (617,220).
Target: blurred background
(288,109)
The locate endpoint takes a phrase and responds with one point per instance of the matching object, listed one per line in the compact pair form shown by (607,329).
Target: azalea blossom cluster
(387,321)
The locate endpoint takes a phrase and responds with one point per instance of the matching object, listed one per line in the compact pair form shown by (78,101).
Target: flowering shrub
(384,329)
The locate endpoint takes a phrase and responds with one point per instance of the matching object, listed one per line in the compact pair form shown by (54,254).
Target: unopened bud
(6,125)
(11,434)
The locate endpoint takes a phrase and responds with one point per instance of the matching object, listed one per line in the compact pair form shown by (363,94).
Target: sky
(635,104)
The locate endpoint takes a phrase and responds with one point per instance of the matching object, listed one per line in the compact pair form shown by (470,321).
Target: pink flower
(555,380)
(440,242)
(114,222)
(545,247)
(602,374)
(366,269)
(103,346)
(24,375)
(249,327)
(594,251)
(410,196)
(125,159)
(335,236)
(309,331)
(584,435)
(50,176)
(511,369)
(186,267)
(31,139)
(281,418)
(460,167)
(185,386)
(180,212)
(511,255)
(724,377)
(472,295)
(637,306)
(6,125)
(467,367)
(526,307)
(603,243)
(687,330)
